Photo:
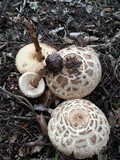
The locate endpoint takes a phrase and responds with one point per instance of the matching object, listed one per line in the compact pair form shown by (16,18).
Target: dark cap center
(54,63)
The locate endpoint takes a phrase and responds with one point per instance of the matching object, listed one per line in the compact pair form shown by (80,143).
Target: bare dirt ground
(59,23)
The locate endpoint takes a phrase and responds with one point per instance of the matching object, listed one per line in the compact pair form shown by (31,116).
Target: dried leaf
(5,157)
(33,5)
(36,149)
(68,40)
(13,139)
(89,8)
(21,152)
(25,125)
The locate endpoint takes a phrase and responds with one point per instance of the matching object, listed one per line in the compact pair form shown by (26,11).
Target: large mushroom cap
(78,127)
(26,87)
(80,74)
(26,59)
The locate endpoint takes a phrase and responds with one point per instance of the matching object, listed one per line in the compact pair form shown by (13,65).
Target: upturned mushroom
(29,60)
(79,72)
(78,127)
(28,88)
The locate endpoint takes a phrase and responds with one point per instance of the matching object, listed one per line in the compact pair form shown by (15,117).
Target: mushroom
(80,72)
(31,58)
(27,59)
(29,90)
(78,127)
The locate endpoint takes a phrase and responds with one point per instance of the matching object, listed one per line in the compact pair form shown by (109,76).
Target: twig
(42,108)
(20,99)
(21,11)
(23,118)
(22,128)
(3,44)
(35,143)
(39,118)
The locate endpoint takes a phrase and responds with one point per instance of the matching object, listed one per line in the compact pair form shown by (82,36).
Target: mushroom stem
(38,77)
(34,37)
(32,31)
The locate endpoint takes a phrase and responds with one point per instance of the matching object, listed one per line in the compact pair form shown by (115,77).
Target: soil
(59,23)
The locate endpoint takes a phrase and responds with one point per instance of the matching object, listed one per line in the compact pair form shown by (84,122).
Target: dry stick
(3,44)
(37,143)
(32,31)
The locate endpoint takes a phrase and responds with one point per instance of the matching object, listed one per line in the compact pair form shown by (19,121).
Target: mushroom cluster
(78,127)
(79,76)
(29,63)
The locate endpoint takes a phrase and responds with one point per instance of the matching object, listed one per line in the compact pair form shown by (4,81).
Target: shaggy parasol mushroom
(79,74)
(78,127)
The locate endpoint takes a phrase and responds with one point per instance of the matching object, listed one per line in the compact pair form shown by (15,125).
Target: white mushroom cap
(79,127)
(26,87)
(80,75)
(26,59)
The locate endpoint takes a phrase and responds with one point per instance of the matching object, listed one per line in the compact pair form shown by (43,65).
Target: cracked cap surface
(78,127)
(80,74)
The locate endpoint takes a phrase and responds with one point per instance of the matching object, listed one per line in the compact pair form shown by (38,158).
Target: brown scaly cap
(79,76)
